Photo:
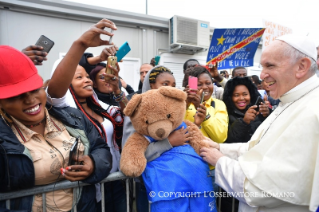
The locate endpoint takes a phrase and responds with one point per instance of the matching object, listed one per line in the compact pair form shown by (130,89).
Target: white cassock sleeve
(230,176)
(233,150)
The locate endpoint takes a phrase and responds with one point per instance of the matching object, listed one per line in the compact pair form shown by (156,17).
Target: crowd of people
(263,145)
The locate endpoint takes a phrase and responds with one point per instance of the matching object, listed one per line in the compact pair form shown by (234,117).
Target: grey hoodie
(155,149)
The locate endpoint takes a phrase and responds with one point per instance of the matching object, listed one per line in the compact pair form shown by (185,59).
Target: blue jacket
(17,164)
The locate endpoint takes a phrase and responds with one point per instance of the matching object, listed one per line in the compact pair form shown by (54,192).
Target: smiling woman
(211,115)
(76,90)
(35,142)
(240,96)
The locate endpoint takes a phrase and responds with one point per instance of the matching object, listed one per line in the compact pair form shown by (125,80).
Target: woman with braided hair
(161,76)
(71,85)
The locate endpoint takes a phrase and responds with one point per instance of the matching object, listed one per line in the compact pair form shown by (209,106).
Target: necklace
(34,125)
(284,110)
(82,102)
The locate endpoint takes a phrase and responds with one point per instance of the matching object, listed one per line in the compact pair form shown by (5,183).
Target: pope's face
(279,72)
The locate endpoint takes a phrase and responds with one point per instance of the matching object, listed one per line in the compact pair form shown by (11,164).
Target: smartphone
(123,50)
(110,40)
(157,59)
(258,101)
(111,60)
(202,97)
(74,151)
(192,83)
(46,43)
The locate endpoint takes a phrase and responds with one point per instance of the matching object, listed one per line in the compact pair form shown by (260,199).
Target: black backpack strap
(213,104)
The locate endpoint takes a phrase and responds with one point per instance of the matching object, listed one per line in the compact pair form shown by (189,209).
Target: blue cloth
(179,180)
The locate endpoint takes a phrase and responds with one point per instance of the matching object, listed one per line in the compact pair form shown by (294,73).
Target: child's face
(241,97)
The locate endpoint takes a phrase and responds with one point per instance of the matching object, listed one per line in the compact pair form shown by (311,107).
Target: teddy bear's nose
(160,132)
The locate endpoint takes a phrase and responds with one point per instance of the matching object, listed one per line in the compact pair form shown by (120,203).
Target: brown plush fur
(155,113)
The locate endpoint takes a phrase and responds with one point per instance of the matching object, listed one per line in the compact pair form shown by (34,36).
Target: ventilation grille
(186,31)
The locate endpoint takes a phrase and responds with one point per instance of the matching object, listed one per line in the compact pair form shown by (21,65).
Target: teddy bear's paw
(133,168)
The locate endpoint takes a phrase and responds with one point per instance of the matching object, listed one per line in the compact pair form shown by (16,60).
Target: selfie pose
(76,90)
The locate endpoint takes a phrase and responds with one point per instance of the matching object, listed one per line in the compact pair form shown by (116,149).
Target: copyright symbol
(152,194)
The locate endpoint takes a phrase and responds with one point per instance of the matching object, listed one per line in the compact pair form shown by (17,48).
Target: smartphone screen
(192,82)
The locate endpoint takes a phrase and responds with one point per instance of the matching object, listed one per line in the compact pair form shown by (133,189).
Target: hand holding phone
(123,50)
(46,43)
(74,152)
(35,53)
(258,101)
(202,97)
(111,61)
(157,59)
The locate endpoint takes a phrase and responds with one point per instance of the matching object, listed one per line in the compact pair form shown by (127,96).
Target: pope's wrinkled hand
(210,155)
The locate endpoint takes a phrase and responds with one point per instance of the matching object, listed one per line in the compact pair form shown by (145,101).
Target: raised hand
(264,107)
(108,51)
(193,96)
(35,53)
(113,79)
(91,38)
(250,114)
(214,72)
(200,115)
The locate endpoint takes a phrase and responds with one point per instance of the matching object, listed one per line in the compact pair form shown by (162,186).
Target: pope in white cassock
(278,169)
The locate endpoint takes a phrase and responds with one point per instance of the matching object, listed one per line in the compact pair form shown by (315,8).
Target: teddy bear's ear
(173,93)
(132,104)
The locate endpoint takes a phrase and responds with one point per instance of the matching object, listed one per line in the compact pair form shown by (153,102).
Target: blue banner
(234,47)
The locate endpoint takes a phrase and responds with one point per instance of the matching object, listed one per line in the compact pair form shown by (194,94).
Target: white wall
(20,30)
(22,27)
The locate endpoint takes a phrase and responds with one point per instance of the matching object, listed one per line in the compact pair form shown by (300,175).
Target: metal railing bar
(127,195)
(233,205)
(44,202)
(103,197)
(57,186)
(75,199)
(8,204)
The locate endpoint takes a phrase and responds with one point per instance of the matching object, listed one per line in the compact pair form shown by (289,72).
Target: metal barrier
(67,184)
(64,185)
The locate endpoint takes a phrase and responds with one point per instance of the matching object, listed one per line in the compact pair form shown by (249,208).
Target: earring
(49,97)
(5,117)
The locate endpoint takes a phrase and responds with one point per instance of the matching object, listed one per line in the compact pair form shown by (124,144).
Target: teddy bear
(178,174)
